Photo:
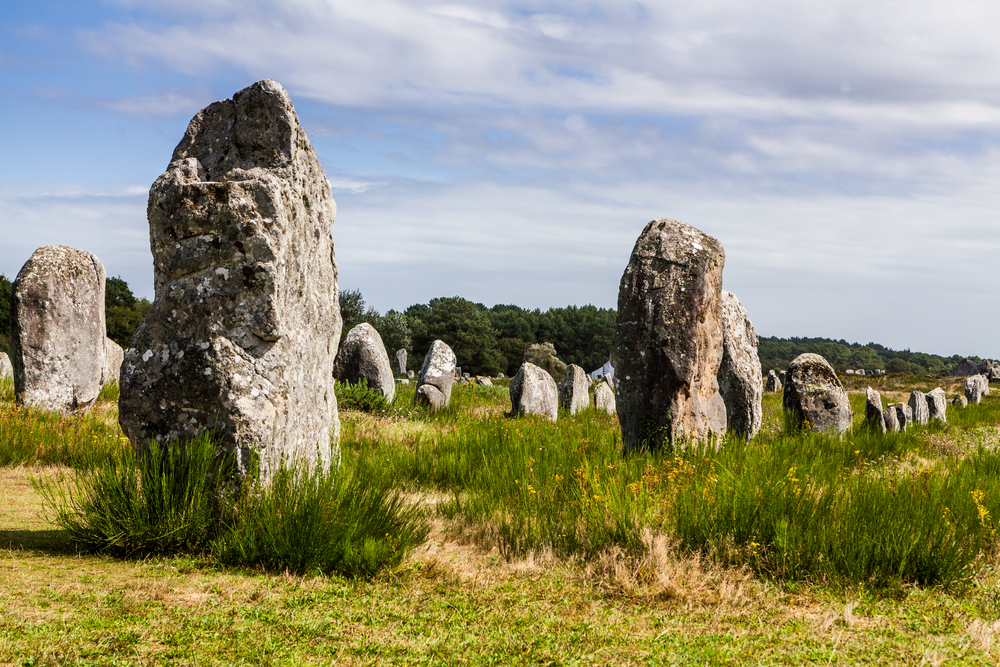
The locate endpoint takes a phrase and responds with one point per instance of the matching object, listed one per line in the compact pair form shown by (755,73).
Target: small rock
(937,404)
(773,382)
(362,357)
(891,420)
(604,398)
(960,401)
(534,392)
(813,394)
(976,386)
(402,381)
(991,369)
(6,369)
(411,374)
(436,377)
(484,381)
(874,417)
(574,390)
(904,415)
(918,407)
(400,362)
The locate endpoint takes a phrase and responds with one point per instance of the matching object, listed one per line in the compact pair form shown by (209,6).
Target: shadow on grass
(51,542)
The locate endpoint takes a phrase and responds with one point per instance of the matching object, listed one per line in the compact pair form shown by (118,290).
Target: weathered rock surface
(904,415)
(6,368)
(484,381)
(400,362)
(874,417)
(362,356)
(781,378)
(937,404)
(773,383)
(918,407)
(976,387)
(964,368)
(604,398)
(436,377)
(113,357)
(891,419)
(57,329)
(574,390)
(245,323)
(991,369)
(668,342)
(960,401)
(740,383)
(814,394)
(534,392)
(411,375)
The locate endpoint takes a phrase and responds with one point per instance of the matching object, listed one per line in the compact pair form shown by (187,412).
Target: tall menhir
(245,324)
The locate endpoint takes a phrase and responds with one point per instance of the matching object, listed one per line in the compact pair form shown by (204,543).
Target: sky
(846,154)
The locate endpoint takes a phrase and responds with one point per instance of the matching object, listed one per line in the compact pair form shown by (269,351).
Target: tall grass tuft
(170,499)
(350,522)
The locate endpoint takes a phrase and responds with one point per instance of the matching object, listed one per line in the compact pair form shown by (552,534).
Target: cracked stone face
(814,394)
(245,323)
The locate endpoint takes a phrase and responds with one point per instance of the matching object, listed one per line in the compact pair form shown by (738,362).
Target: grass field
(544,546)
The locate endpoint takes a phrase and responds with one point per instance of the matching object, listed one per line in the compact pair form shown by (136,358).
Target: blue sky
(844,153)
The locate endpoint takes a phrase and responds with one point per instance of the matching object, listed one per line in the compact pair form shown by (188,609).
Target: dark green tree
(123,312)
(353,311)
(463,325)
(394,329)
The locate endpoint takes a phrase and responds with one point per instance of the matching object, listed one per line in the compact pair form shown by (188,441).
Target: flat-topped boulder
(534,392)
(604,398)
(57,329)
(362,358)
(814,395)
(436,377)
(574,390)
(740,382)
(114,355)
(245,323)
(668,341)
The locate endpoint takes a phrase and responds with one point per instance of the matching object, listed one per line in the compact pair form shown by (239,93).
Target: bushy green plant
(359,396)
(349,521)
(172,498)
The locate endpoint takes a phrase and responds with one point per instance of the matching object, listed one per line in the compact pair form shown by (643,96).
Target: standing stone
(960,401)
(904,415)
(534,392)
(891,419)
(244,327)
(937,404)
(57,329)
(574,390)
(604,398)
(113,357)
(874,417)
(976,387)
(436,377)
(458,372)
(991,369)
(400,362)
(781,378)
(773,383)
(668,344)
(411,375)
(6,368)
(362,356)
(813,394)
(740,382)
(918,406)
(965,368)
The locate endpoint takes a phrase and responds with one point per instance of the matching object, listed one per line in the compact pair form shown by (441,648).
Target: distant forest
(488,341)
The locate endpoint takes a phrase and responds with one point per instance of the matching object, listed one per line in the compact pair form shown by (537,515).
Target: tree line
(776,353)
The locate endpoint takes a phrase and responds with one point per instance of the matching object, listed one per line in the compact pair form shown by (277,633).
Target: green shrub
(359,396)
(171,499)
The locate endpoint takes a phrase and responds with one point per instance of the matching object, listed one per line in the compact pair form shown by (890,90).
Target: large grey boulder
(891,419)
(773,383)
(362,356)
(918,406)
(436,377)
(245,323)
(534,392)
(740,381)
(814,394)
(400,362)
(874,416)
(937,404)
(964,368)
(6,368)
(991,369)
(904,415)
(57,329)
(668,343)
(604,398)
(113,357)
(574,390)
(976,387)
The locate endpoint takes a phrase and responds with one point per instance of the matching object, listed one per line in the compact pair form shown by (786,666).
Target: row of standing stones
(245,325)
